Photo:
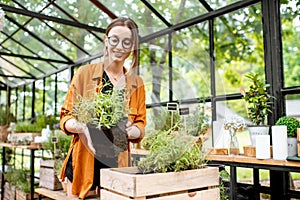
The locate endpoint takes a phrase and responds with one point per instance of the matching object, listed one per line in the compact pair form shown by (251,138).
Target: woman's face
(119,43)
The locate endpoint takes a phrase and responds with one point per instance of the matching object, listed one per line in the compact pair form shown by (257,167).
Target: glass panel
(216,4)
(290,22)
(39,48)
(292,105)
(178,11)
(154,69)
(63,79)
(135,9)
(83,11)
(20,104)
(191,63)
(38,107)
(226,109)
(28,101)
(239,48)
(35,5)
(50,95)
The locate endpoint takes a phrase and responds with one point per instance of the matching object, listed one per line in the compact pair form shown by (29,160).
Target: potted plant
(104,112)
(57,146)
(17,184)
(174,164)
(258,105)
(292,124)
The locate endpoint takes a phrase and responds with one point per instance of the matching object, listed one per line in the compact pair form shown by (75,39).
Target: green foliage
(172,151)
(62,145)
(4,118)
(257,99)
(198,122)
(19,178)
(291,123)
(36,125)
(103,109)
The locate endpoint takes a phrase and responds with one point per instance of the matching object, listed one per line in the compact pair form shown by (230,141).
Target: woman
(80,168)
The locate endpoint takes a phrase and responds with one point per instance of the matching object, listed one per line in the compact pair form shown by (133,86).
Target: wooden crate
(126,183)
(9,191)
(48,177)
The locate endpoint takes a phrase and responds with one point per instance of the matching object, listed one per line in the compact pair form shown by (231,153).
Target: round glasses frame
(114,41)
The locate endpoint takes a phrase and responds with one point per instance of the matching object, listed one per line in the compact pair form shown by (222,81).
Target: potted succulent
(258,105)
(104,112)
(292,124)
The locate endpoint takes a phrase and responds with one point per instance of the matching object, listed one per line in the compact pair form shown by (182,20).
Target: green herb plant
(257,99)
(101,109)
(291,123)
(198,122)
(19,178)
(172,151)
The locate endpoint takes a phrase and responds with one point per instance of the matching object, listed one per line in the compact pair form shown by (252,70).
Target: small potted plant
(104,112)
(292,124)
(258,105)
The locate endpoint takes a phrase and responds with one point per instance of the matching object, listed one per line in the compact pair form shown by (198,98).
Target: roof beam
(199,19)
(50,18)
(33,58)
(39,39)
(148,5)
(104,9)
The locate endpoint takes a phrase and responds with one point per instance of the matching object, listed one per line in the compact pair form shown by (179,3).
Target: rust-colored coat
(83,83)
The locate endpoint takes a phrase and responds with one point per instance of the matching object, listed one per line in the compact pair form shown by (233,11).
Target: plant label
(172,106)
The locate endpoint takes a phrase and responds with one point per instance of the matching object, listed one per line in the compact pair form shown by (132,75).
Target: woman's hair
(129,23)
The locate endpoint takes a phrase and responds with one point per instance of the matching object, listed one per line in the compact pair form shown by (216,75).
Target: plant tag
(184,111)
(54,139)
(172,106)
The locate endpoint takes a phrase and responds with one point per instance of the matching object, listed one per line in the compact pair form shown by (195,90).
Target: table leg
(279,184)
(32,173)
(233,183)
(256,183)
(2,174)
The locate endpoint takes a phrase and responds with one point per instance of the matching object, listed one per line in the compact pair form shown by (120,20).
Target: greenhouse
(203,70)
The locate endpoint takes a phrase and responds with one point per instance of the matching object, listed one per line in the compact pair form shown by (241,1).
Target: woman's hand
(133,132)
(72,125)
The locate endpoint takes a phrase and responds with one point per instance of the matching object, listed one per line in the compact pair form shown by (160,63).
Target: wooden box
(218,151)
(126,183)
(251,151)
(9,191)
(48,177)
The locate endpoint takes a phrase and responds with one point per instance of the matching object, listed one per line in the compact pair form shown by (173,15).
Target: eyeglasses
(114,41)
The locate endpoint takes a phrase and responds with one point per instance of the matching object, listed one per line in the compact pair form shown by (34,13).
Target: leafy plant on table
(172,151)
(257,99)
(291,123)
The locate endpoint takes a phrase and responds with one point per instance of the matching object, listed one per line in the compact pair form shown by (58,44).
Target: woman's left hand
(133,132)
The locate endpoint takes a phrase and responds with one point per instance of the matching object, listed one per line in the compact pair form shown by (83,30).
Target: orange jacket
(83,83)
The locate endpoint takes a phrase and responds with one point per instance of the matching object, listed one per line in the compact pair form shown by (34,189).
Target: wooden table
(32,149)
(279,174)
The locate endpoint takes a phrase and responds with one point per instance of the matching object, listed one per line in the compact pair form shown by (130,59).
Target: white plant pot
(292,146)
(257,130)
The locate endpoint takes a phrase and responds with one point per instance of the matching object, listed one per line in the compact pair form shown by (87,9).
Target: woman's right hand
(72,125)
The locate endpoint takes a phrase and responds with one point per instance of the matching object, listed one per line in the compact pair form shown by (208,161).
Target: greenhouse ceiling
(42,37)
